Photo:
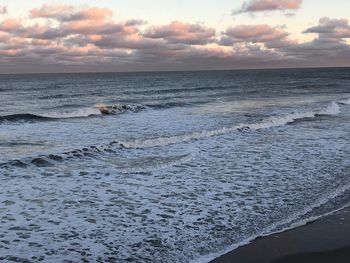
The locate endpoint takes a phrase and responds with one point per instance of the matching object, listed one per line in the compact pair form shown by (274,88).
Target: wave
(332,109)
(112,147)
(80,113)
(118,108)
(345,102)
(97,110)
(95,151)
(52,159)
(22,117)
(29,117)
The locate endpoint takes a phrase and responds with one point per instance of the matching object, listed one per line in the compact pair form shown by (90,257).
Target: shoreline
(325,240)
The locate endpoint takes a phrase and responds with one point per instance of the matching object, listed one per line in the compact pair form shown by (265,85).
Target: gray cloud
(71,13)
(179,32)
(262,33)
(3,10)
(331,28)
(253,6)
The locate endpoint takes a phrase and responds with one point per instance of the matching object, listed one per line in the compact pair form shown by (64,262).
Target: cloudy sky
(139,35)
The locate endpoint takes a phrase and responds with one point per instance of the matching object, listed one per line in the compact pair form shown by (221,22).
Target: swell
(22,117)
(183,90)
(80,113)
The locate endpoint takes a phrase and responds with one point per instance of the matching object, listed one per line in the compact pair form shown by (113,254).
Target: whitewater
(167,167)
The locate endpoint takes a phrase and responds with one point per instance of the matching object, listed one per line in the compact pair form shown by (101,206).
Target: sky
(137,35)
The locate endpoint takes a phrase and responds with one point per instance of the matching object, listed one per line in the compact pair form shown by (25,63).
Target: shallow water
(187,166)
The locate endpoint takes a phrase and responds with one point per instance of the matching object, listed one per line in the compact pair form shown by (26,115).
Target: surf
(96,110)
(274,121)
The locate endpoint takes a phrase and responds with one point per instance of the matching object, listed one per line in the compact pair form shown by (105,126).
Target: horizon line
(172,71)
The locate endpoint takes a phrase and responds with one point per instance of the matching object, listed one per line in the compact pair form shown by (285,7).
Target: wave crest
(112,147)
(118,108)
(345,102)
(97,110)
(275,121)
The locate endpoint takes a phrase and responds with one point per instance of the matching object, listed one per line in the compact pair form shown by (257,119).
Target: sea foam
(274,121)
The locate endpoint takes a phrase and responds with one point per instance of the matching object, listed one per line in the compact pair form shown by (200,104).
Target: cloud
(179,32)
(69,38)
(262,33)
(71,13)
(331,28)
(252,6)
(3,10)
(10,25)
(327,49)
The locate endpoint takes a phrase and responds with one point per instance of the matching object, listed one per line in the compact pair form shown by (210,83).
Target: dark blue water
(167,167)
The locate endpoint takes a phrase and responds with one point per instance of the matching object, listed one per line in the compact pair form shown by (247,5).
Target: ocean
(167,166)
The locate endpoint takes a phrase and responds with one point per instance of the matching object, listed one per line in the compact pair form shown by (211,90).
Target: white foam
(290,222)
(345,102)
(159,166)
(332,109)
(275,121)
(118,108)
(84,112)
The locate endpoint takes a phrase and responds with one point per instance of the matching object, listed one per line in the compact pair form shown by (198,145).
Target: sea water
(167,166)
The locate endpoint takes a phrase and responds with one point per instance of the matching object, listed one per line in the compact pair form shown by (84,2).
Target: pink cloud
(10,52)
(71,13)
(179,32)
(41,42)
(268,5)
(253,33)
(69,38)
(10,25)
(4,36)
(51,11)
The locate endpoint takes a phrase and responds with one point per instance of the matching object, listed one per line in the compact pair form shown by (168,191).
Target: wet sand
(325,240)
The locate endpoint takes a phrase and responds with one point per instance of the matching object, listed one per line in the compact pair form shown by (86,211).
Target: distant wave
(97,110)
(119,108)
(22,117)
(332,109)
(80,113)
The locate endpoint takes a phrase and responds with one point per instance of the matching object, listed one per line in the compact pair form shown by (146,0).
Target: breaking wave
(112,147)
(275,121)
(97,110)
(22,117)
(345,102)
(119,108)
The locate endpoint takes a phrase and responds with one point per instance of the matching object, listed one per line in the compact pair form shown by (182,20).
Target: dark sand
(325,240)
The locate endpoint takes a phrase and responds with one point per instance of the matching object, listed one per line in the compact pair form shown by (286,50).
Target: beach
(324,240)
